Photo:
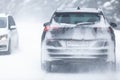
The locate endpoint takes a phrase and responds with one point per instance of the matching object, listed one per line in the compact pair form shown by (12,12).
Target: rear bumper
(80,61)
(60,49)
(75,55)
(76,65)
(77,59)
(77,51)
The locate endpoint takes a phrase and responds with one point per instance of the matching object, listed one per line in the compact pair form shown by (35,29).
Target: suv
(8,34)
(78,35)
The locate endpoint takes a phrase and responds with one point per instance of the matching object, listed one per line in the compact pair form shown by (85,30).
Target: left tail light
(48,27)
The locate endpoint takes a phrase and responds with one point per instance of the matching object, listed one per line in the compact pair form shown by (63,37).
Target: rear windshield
(74,18)
(3,22)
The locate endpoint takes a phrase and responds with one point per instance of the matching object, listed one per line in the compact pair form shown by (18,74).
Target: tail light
(48,27)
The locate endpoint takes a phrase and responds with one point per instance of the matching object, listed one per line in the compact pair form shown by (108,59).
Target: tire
(48,66)
(112,66)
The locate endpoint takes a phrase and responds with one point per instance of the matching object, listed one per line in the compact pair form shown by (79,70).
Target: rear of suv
(78,35)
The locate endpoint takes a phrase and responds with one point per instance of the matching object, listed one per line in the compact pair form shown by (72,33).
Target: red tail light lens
(48,27)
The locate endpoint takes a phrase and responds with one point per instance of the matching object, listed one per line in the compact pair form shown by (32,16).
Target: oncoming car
(78,36)
(8,34)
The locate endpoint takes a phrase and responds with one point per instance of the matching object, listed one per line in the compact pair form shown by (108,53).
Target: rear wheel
(112,66)
(47,66)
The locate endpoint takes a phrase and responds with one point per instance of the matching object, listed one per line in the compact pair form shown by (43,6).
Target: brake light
(48,27)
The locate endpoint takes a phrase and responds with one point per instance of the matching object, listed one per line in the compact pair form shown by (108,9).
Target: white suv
(78,35)
(8,34)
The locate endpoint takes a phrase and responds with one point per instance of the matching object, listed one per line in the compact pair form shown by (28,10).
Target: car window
(3,22)
(11,21)
(74,18)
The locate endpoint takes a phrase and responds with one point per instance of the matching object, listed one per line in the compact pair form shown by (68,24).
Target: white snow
(24,64)
(88,76)
(106,4)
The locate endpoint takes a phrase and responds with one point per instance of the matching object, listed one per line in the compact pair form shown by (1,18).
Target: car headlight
(3,37)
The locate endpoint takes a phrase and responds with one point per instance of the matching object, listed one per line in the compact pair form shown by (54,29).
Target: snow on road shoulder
(23,64)
(80,76)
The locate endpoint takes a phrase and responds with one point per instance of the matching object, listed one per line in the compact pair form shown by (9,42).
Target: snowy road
(24,64)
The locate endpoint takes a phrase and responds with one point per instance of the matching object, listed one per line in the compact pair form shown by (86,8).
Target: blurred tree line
(44,8)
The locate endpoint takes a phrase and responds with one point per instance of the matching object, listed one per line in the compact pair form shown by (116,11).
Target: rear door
(13,32)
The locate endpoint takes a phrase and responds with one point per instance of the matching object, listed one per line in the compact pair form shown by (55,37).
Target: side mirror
(114,25)
(47,23)
(12,27)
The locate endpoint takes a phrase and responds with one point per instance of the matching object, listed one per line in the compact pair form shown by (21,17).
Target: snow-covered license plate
(78,43)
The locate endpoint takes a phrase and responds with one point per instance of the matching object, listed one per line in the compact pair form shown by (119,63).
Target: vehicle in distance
(8,34)
(78,35)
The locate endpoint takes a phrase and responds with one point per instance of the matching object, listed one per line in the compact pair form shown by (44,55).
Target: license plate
(78,43)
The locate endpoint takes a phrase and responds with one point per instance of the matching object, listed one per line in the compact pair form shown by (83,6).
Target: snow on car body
(78,36)
(8,34)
